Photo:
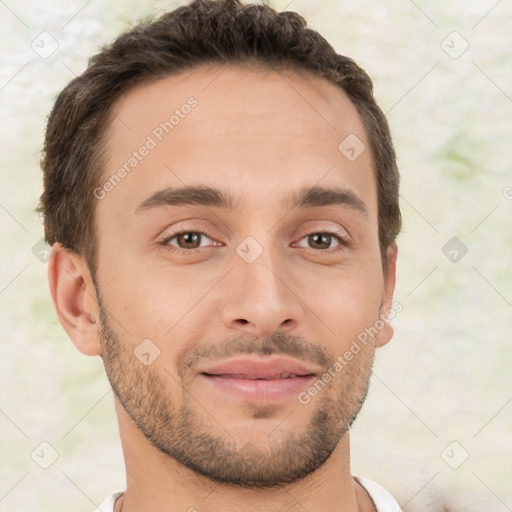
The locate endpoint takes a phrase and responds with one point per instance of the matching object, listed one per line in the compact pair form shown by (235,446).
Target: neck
(156,481)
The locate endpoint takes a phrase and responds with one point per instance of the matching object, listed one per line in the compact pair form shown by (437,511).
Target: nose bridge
(259,295)
(258,265)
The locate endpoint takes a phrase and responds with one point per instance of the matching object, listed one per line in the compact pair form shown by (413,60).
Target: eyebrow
(317,196)
(306,197)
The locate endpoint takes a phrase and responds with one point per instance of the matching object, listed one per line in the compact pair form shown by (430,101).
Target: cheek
(169,304)
(350,304)
(157,303)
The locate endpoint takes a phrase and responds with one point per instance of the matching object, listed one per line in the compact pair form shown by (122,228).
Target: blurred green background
(443,75)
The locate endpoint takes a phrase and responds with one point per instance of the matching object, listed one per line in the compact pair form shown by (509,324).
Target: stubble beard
(195,439)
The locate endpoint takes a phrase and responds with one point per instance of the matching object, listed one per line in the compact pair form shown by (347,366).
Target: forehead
(257,130)
(256,89)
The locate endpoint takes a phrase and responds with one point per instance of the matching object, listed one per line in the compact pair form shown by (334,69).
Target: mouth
(262,380)
(257,377)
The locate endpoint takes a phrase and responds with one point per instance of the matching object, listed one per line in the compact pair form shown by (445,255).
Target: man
(221,195)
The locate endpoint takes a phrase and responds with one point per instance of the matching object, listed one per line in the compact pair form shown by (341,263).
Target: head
(220,182)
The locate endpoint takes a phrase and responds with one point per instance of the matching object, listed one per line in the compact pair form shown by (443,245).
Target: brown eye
(186,240)
(322,240)
(189,240)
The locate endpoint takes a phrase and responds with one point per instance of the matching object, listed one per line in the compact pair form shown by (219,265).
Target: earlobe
(74,298)
(386,333)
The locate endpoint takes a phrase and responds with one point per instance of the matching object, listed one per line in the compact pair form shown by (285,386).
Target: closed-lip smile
(259,379)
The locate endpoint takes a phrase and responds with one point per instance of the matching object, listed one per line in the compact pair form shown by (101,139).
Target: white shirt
(384,502)
(382,499)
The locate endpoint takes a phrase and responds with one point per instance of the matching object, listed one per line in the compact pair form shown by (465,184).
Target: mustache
(278,343)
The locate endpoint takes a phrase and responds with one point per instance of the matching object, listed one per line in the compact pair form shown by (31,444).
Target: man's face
(246,293)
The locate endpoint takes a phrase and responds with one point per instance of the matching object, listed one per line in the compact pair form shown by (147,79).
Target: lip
(259,379)
(259,368)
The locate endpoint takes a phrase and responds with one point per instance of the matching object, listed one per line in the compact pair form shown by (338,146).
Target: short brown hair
(205,31)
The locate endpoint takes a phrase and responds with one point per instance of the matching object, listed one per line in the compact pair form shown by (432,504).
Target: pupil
(190,237)
(320,238)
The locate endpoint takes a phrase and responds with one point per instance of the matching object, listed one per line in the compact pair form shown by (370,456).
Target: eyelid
(342,236)
(185,229)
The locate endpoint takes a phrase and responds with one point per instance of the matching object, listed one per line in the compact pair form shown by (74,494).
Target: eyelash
(341,238)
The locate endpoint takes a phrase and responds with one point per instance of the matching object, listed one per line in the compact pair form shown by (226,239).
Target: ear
(386,333)
(74,298)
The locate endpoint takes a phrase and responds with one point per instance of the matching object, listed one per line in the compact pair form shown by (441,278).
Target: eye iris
(192,240)
(319,239)
(189,238)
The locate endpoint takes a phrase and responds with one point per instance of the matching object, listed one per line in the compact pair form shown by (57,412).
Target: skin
(260,135)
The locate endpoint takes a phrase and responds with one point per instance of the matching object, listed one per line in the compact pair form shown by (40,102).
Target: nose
(261,297)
